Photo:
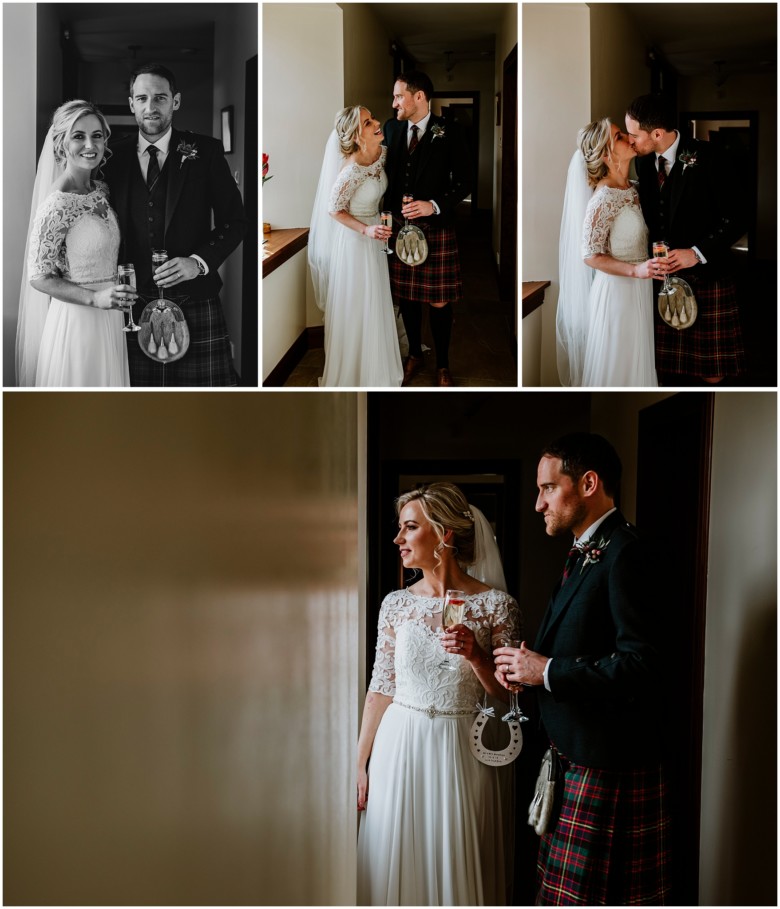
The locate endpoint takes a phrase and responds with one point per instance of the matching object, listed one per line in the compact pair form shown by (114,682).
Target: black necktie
(414,140)
(661,171)
(153,171)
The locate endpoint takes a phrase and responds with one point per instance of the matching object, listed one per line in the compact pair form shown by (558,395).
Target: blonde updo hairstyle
(595,141)
(445,508)
(65,118)
(348,129)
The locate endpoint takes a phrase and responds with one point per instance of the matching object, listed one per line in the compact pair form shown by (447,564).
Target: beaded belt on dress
(432,711)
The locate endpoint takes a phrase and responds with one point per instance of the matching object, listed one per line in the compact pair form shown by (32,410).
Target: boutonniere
(688,159)
(188,152)
(437,131)
(593,552)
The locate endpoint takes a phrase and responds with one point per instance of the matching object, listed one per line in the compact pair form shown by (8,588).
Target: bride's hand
(121,296)
(377,232)
(460,640)
(650,269)
(362,789)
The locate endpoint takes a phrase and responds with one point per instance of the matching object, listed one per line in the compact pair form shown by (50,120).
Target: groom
(597,666)
(166,187)
(427,158)
(690,199)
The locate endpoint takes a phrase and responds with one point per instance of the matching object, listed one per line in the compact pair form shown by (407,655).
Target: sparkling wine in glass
(159,257)
(661,251)
(515,711)
(126,275)
(452,614)
(386,217)
(407,198)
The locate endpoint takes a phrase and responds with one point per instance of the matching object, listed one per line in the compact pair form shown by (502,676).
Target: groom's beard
(154,127)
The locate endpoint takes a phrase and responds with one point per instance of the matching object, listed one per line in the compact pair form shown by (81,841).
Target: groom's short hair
(154,69)
(580,452)
(417,82)
(652,112)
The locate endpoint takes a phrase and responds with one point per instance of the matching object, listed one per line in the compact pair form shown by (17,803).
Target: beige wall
(749,93)
(556,102)
(368,66)
(303,81)
(181,649)
(19,161)
(739,772)
(617,62)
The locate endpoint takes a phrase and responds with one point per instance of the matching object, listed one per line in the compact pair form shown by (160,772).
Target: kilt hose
(207,361)
(713,345)
(437,280)
(610,844)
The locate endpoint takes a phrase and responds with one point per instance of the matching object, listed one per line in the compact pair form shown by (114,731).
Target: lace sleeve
(47,255)
(506,620)
(598,223)
(344,188)
(383,676)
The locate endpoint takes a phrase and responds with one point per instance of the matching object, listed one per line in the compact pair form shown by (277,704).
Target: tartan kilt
(207,361)
(437,280)
(713,345)
(610,845)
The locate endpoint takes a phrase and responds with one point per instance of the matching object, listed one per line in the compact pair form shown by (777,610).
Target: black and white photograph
(130,228)
(649,179)
(390,230)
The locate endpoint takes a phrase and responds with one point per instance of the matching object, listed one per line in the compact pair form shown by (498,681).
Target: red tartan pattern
(207,362)
(713,345)
(437,280)
(610,845)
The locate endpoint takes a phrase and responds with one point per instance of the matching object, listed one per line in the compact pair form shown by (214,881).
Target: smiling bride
(70,325)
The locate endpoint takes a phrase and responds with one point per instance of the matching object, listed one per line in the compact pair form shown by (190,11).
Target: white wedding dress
(361,338)
(438,824)
(76,237)
(620,348)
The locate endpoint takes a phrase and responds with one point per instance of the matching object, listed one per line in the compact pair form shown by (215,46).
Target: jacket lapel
(175,177)
(425,146)
(680,181)
(561,600)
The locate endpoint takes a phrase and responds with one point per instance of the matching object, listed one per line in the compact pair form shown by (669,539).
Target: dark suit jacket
(601,629)
(441,169)
(198,189)
(706,209)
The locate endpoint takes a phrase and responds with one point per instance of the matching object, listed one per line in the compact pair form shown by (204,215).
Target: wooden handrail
(533,295)
(282,245)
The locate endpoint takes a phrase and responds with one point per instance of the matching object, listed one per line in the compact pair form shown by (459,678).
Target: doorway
(463,109)
(678,431)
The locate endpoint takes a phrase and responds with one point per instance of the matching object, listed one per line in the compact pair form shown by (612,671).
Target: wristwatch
(201,267)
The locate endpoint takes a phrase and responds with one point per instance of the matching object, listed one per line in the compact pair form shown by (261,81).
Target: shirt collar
(162,143)
(421,125)
(590,532)
(671,153)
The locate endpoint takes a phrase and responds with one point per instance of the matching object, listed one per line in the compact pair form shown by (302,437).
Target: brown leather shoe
(444,378)
(412,366)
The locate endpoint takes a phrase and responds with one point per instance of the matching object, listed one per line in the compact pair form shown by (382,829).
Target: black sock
(411,313)
(441,329)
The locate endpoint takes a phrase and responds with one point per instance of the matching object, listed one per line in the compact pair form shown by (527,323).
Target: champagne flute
(452,614)
(159,257)
(386,218)
(661,251)
(126,275)
(515,711)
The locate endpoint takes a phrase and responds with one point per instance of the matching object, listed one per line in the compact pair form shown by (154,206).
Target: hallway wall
(556,103)
(506,39)
(181,649)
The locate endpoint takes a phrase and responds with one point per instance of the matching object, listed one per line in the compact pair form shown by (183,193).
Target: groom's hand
(417,209)
(679,259)
(176,271)
(523,665)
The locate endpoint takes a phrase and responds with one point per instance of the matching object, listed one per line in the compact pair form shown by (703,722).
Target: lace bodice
(614,225)
(75,237)
(359,188)
(408,652)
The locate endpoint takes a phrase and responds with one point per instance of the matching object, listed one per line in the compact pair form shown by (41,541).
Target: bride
(605,306)
(348,267)
(436,823)
(69,332)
